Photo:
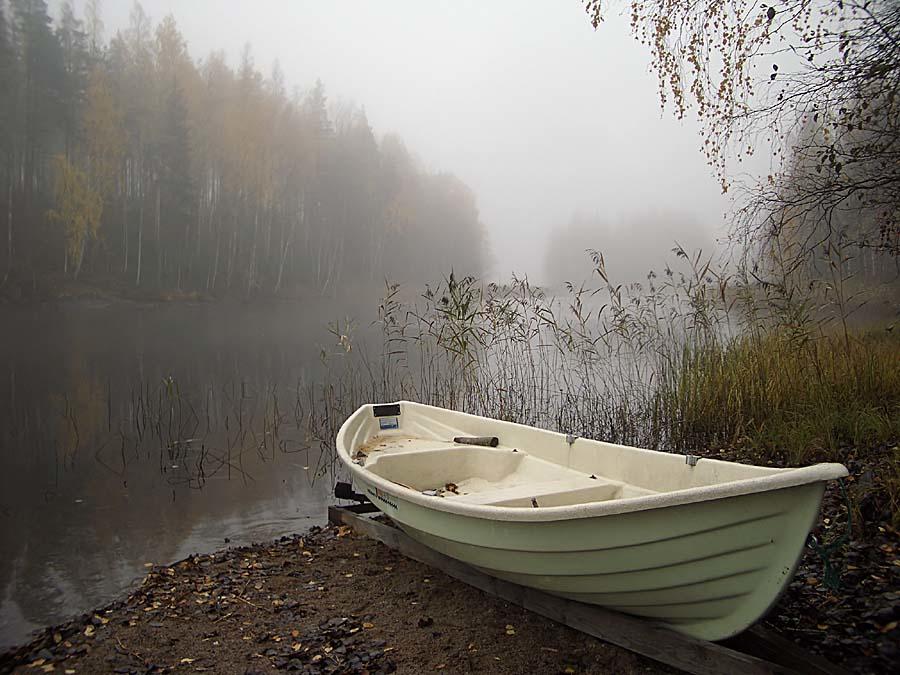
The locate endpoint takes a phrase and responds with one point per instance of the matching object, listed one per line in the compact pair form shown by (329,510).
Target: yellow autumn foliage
(78,207)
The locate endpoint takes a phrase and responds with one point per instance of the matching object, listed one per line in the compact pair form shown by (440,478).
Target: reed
(694,360)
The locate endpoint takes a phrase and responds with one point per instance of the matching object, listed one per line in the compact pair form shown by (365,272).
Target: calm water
(137,433)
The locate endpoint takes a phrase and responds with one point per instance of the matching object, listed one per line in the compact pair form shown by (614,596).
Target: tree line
(130,164)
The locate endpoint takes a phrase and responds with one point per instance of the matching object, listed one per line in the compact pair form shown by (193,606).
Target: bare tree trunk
(211,280)
(80,258)
(284,253)
(159,256)
(252,265)
(125,220)
(140,241)
(211,273)
(9,228)
(231,258)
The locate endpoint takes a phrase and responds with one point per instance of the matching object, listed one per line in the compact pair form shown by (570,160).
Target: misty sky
(541,115)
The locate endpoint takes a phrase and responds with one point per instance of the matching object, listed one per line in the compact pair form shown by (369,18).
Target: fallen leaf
(89,631)
(510,630)
(186,660)
(343,530)
(296,646)
(348,575)
(887,628)
(368,625)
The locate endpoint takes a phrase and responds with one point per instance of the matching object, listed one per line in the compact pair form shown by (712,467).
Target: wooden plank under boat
(703,545)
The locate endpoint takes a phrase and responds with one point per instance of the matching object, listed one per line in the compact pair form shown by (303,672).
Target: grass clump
(783,400)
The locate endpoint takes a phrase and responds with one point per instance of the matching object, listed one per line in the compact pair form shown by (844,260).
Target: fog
(539,114)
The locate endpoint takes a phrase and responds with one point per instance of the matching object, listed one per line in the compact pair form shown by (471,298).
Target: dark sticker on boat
(388,423)
(382,497)
(387,410)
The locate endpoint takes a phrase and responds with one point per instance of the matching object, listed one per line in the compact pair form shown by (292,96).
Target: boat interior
(416,446)
(495,476)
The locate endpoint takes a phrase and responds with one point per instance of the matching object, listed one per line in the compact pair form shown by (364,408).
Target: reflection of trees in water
(136,487)
(102,473)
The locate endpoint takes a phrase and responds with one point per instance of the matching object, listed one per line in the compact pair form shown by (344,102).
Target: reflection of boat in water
(704,545)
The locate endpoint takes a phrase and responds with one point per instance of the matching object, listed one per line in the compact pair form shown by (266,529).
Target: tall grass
(785,401)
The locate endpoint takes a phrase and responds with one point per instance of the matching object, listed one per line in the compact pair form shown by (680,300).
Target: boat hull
(710,569)
(703,545)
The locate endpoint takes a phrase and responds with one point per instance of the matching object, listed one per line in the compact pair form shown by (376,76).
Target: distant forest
(128,164)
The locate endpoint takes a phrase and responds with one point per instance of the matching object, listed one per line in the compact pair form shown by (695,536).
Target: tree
(73,83)
(176,234)
(78,210)
(38,134)
(103,133)
(94,26)
(8,123)
(815,83)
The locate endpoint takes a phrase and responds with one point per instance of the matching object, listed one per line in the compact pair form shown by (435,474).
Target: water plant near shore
(696,360)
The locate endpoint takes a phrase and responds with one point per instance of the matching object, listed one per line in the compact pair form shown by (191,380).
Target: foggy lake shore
(226,225)
(329,601)
(137,430)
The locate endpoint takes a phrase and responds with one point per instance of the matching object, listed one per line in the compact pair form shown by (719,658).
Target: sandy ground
(327,602)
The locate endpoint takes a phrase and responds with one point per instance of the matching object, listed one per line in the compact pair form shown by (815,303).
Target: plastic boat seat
(564,492)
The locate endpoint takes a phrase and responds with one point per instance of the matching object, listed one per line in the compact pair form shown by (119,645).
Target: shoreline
(330,601)
(296,604)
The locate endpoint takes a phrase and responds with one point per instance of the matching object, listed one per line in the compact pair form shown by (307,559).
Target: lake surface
(136,433)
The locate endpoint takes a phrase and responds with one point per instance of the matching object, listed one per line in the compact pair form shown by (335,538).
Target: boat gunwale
(785,478)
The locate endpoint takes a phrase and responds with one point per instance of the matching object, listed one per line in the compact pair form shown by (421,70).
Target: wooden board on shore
(642,637)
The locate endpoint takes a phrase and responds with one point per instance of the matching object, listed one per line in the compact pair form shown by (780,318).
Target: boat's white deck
(501,476)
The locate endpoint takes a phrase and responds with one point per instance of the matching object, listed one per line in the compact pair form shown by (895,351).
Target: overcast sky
(541,115)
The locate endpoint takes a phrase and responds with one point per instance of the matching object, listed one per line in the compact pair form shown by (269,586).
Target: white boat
(703,545)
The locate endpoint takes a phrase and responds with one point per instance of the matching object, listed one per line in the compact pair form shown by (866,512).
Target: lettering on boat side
(382,497)
(388,423)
